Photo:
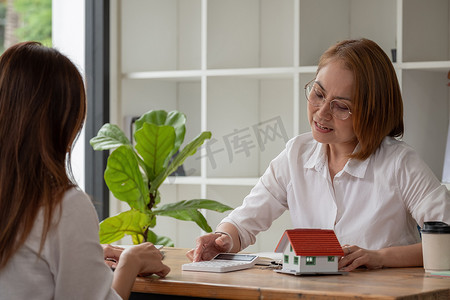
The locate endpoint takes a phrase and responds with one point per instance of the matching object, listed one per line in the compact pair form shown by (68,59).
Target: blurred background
(23,20)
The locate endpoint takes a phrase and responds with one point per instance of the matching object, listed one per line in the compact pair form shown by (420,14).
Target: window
(286,259)
(330,258)
(295,260)
(310,260)
(25,20)
(290,248)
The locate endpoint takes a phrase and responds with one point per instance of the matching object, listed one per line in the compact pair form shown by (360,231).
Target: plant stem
(152,200)
(145,235)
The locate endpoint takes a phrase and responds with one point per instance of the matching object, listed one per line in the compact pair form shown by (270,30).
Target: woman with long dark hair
(49,246)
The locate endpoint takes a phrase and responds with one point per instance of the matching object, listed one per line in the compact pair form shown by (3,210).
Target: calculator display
(235,257)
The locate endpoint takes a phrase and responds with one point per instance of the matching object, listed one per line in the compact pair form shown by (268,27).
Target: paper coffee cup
(436,246)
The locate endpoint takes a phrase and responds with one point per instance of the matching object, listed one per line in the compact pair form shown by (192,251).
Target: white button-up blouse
(375,203)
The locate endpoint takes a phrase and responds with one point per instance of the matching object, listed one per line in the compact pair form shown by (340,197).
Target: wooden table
(263,283)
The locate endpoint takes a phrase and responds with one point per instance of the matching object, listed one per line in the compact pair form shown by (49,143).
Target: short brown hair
(377,109)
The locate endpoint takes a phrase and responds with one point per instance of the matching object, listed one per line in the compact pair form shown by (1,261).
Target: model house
(309,251)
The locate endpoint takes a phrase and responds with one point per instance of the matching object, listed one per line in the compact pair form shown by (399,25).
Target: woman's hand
(209,245)
(391,257)
(356,257)
(112,255)
(143,259)
(146,259)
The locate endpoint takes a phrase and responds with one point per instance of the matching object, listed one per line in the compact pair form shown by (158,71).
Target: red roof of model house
(311,242)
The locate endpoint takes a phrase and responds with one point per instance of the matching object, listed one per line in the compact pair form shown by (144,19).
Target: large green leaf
(187,151)
(187,210)
(131,222)
(194,203)
(157,117)
(158,239)
(155,143)
(124,178)
(109,137)
(160,117)
(137,238)
(189,215)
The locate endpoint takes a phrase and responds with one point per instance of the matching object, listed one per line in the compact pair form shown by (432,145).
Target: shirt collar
(319,159)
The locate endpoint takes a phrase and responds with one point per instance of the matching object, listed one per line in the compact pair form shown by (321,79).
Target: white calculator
(223,262)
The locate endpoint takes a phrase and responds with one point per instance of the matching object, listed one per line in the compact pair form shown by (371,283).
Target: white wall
(68,36)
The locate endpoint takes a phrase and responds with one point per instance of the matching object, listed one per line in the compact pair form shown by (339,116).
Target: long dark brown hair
(42,110)
(377,105)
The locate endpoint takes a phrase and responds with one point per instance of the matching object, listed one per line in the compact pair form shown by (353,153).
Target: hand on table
(147,258)
(144,256)
(355,257)
(209,245)
(112,254)
(143,259)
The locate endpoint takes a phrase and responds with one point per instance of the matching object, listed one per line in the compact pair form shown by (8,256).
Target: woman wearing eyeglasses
(349,174)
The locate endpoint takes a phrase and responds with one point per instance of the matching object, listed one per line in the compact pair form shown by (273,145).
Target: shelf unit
(237,68)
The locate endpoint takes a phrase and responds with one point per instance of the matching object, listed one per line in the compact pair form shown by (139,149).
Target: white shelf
(286,71)
(426,65)
(197,180)
(248,72)
(183,180)
(232,181)
(163,74)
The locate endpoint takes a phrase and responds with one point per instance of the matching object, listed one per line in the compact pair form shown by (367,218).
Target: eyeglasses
(316,98)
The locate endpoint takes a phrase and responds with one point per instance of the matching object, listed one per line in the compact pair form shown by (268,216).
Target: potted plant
(134,173)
